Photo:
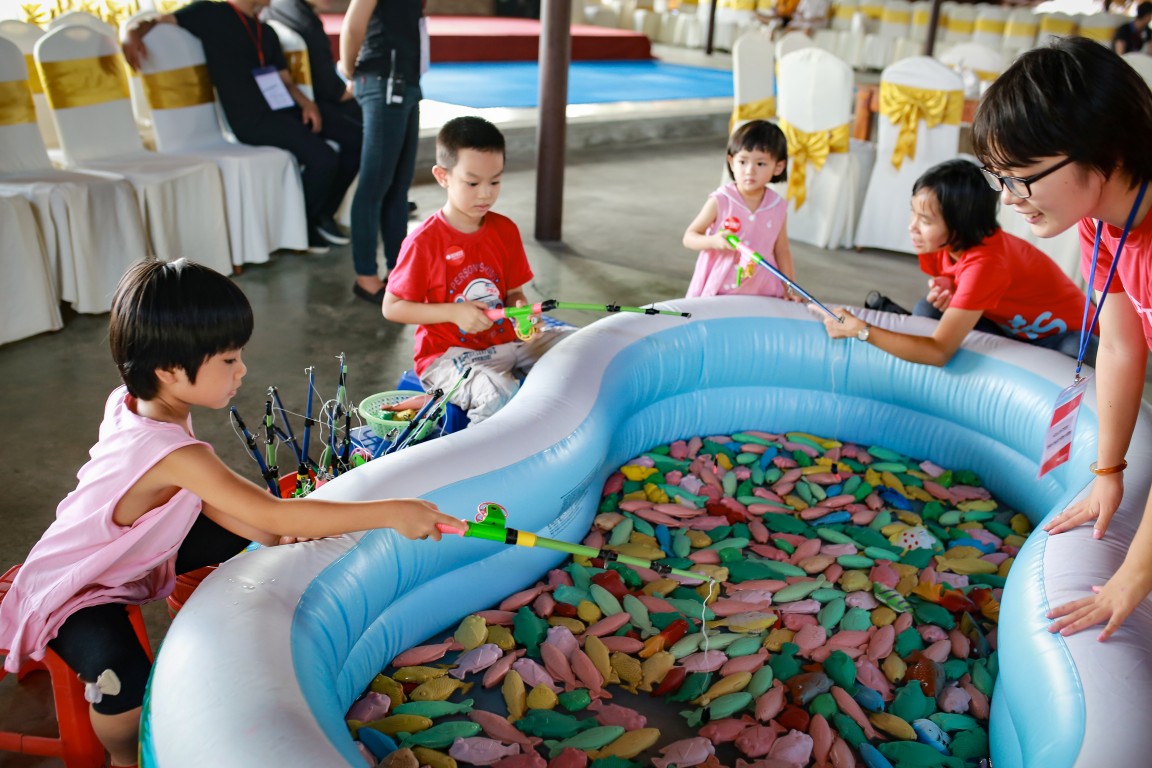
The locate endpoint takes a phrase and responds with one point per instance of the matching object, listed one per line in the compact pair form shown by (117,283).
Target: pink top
(715,273)
(86,559)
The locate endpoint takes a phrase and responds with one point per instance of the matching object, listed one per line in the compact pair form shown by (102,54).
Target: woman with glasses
(1064,136)
(981,278)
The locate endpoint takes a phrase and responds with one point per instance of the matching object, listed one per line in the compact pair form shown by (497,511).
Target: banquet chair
(1020,31)
(921,15)
(28,305)
(814,104)
(1100,26)
(181,199)
(25,35)
(1142,63)
(827,39)
(896,20)
(961,24)
(921,102)
(753,78)
(1055,25)
(262,187)
(792,41)
(985,62)
(81,19)
(905,47)
(842,13)
(872,11)
(90,225)
(991,21)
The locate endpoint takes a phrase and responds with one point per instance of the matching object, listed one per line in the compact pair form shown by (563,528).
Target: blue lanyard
(1086,327)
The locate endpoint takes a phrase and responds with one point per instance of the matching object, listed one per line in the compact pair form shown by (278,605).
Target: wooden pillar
(555,53)
(711,34)
(933,23)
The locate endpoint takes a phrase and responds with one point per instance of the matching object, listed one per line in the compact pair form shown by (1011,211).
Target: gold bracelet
(1108,470)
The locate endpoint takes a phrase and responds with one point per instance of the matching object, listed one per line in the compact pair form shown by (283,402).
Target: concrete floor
(631,187)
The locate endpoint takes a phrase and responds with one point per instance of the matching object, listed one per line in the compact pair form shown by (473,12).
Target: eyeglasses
(1020,187)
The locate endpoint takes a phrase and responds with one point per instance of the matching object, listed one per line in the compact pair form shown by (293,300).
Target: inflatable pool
(268,654)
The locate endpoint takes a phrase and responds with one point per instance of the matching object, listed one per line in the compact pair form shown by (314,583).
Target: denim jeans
(387,165)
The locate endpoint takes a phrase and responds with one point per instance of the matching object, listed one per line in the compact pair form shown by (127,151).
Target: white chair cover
(851,47)
(961,24)
(81,19)
(991,21)
(90,225)
(884,220)
(28,305)
(792,41)
(1020,31)
(1100,26)
(1142,63)
(877,51)
(140,107)
(921,15)
(753,77)
(896,20)
(906,47)
(25,36)
(261,184)
(842,12)
(871,11)
(827,39)
(986,62)
(181,199)
(814,93)
(1055,25)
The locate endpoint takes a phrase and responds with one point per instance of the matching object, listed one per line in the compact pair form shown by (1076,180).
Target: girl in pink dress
(757,156)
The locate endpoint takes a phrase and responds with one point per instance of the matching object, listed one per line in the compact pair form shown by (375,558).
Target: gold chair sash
(845,12)
(16,103)
(761,109)
(872,11)
(84,82)
(806,148)
(299,67)
(960,26)
(906,106)
(990,26)
(1016,28)
(985,75)
(177,88)
(33,75)
(1099,34)
(891,16)
(1057,26)
(921,17)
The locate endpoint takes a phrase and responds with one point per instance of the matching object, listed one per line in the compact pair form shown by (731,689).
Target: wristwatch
(862,334)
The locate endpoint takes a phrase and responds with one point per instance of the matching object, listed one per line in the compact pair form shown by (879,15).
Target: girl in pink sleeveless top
(153,501)
(757,156)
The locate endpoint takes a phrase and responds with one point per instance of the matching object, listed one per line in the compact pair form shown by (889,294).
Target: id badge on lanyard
(272,88)
(1062,425)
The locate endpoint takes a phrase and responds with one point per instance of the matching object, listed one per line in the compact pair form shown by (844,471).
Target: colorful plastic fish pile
(850,621)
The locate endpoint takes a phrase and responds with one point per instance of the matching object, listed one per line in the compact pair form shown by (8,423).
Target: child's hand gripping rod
(756,257)
(490,527)
(524,318)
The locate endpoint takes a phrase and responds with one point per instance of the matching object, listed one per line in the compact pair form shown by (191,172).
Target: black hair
(966,202)
(467,132)
(1144,9)
(173,315)
(1074,97)
(760,136)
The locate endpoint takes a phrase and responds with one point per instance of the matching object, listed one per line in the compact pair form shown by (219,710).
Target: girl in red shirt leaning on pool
(981,278)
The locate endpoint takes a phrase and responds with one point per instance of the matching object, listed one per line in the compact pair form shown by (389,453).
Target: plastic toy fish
(480,750)
(551,725)
(628,745)
(435,709)
(916,537)
(418,674)
(438,689)
(441,735)
(593,738)
(476,660)
(890,598)
(691,751)
(490,525)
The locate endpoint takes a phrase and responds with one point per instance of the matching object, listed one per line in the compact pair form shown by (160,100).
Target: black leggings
(101,637)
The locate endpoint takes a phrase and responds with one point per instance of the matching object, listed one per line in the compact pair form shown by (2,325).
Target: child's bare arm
(468,315)
(695,238)
(232,500)
(516,297)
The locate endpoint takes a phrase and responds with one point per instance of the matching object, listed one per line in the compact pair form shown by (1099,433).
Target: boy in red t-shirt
(463,260)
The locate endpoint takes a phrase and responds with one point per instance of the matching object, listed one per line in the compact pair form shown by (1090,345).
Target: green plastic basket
(381,421)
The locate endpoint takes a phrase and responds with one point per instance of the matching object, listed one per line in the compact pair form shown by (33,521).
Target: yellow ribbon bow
(806,147)
(906,106)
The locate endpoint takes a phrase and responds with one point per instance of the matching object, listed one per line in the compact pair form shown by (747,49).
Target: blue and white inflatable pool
(268,654)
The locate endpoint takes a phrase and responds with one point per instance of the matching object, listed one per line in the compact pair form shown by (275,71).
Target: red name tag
(1062,426)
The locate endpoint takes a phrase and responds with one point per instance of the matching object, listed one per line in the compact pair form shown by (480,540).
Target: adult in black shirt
(1133,36)
(236,45)
(328,88)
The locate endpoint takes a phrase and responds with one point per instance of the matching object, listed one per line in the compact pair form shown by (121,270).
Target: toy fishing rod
(490,526)
(408,430)
(747,252)
(308,421)
(270,443)
(303,481)
(250,441)
(525,318)
(441,400)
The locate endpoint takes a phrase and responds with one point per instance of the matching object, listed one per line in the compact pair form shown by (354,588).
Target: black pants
(101,637)
(326,173)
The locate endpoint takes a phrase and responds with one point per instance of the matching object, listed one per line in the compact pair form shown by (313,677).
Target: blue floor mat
(515,83)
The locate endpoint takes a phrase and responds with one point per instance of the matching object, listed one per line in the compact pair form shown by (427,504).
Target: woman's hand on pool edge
(1100,505)
(1110,604)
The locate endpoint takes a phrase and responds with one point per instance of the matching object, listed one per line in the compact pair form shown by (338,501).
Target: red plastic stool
(76,744)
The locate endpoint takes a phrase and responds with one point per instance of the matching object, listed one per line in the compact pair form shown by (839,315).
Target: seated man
(262,104)
(1135,35)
